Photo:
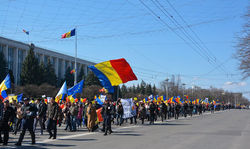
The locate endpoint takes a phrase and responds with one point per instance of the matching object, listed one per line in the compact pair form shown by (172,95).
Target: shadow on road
(44,146)
(168,124)
(78,139)
(127,134)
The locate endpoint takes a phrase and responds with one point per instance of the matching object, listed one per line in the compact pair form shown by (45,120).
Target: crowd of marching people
(29,114)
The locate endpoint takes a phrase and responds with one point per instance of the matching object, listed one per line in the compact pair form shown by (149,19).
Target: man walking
(28,112)
(6,117)
(52,115)
(106,113)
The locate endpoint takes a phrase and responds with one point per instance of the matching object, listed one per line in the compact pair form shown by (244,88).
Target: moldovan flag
(62,92)
(113,72)
(69,34)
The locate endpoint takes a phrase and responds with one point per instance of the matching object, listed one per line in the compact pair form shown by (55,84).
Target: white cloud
(231,85)
(242,83)
(228,83)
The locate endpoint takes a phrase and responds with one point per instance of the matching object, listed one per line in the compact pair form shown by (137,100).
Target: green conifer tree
(30,73)
(3,66)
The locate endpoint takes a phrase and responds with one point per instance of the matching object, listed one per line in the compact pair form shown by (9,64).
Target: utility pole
(183,90)
(166,89)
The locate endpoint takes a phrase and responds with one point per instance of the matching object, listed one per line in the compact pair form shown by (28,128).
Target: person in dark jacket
(152,112)
(177,110)
(163,108)
(41,114)
(191,109)
(142,113)
(185,108)
(200,108)
(119,117)
(6,119)
(52,115)
(106,113)
(29,114)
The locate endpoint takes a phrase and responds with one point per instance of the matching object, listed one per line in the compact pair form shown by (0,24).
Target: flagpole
(75,78)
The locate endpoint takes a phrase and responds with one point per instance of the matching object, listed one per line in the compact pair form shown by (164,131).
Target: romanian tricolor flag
(69,34)
(62,92)
(112,73)
(6,84)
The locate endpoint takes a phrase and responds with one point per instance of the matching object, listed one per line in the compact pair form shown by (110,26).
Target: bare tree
(243,47)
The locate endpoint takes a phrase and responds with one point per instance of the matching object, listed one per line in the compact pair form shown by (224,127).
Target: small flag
(69,34)
(19,97)
(26,32)
(6,84)
(63,91)
(72,71)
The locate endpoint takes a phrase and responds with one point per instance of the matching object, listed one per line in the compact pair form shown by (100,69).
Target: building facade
(15,53)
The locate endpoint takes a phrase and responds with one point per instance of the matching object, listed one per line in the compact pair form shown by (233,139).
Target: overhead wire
(183,30)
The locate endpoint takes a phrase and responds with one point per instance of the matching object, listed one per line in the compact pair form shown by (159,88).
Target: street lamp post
(183,89)
(166,89)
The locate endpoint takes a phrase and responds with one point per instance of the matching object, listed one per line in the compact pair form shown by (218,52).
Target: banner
(103,98)
(128,108)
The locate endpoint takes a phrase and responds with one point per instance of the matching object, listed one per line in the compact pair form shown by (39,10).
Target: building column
(5,52)
(86,69)
(15,69)
(56,66)
(63,68)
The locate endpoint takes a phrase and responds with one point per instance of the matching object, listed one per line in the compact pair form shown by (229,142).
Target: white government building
(15,53)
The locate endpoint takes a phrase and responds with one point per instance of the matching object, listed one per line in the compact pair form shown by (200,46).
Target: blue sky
(111,29)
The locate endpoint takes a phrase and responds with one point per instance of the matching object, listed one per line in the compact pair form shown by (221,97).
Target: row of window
(21,56)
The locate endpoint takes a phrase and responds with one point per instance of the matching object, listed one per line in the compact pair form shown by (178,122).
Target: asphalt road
(221,130)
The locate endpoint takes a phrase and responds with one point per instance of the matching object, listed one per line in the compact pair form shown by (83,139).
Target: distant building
(15,53)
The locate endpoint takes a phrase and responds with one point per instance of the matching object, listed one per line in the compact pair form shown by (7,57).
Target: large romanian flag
(69,34)
(112,73)
(6,84)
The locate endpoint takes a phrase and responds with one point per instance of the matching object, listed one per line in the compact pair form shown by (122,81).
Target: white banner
(103,98)
(128,108)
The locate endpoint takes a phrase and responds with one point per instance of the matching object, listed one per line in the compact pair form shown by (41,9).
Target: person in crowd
(200,108)
(41,114)
(80,115)
(185,109)
(177,110)
(152,111)
(106,113)
(191,109)
(73,115)
(67,116)
(7,115)
(92,116)
(119,117)
(19,117)
(28,114)
(163,108)
(142,113)
(212,108)
(52,115)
